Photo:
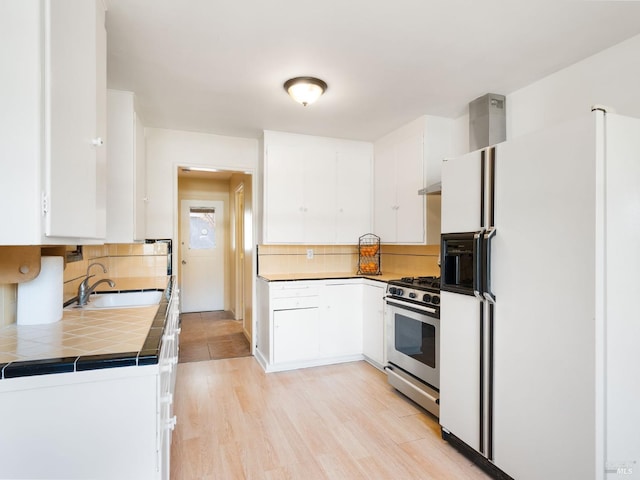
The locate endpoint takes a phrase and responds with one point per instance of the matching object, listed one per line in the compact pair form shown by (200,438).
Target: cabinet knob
(97,142)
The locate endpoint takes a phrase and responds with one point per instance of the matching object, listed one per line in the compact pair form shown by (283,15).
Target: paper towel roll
(40,300)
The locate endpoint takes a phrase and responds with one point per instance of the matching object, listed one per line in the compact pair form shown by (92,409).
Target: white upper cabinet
(126,176)
(316,189)
(54,119)
(399,211)
(405,161)
(354,185)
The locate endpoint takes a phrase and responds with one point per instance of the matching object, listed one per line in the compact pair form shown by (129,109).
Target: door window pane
(202,228)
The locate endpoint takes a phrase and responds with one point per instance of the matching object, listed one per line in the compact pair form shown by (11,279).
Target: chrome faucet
(84,290)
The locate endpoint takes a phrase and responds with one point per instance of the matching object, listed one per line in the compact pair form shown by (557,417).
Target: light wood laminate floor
(335,422)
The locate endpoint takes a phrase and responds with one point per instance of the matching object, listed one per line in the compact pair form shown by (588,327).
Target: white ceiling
(218,66)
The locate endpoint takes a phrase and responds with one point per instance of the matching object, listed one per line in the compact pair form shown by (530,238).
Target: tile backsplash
(122,261)
(127,262)
(293,258)
(414,260)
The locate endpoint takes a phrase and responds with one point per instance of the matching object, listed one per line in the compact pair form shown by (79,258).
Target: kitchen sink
(100,301)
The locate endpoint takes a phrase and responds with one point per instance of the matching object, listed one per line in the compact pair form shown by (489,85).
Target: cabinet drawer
(295,302)
(294,291)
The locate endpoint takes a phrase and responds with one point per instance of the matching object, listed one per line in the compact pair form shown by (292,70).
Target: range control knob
(399,292)
(392,290)
(426,297)
(412,295)
(435,299)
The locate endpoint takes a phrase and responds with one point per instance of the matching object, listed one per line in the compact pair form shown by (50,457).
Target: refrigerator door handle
(486,265)
(477,264)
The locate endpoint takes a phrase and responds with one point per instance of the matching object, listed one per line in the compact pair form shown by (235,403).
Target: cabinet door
(20,123)
(373,324)
(284,195)
(319,194)
(411,213)
(353,196)
(140,184)
(341,326)
(460,367)
(120,214)
(295,335)
(385,201)
(461,194)
(75,39)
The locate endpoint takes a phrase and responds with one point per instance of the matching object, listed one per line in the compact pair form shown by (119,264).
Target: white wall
(611,78)
(167,149)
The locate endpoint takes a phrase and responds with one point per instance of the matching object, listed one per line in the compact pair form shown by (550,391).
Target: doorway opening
(215,254)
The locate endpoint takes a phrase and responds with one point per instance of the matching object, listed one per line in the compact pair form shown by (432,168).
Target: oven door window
(415,339)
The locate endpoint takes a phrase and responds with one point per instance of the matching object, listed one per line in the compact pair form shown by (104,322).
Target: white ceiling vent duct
(487,121)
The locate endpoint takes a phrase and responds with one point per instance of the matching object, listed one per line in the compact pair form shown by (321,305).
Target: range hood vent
(487,126)
(487,121)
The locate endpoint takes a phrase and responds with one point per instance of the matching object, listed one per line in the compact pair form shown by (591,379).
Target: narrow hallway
(211,336)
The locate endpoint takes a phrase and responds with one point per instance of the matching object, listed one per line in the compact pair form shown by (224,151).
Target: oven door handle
(411,307)
(478,252)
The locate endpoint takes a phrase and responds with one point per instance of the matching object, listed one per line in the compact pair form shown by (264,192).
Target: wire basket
(369,255)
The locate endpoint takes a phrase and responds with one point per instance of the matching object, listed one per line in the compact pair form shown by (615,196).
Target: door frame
(255,195)
(239,240)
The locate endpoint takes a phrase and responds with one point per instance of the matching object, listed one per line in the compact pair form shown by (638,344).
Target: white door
(202,255)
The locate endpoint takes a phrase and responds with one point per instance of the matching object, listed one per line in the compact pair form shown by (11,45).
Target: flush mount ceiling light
(305,90)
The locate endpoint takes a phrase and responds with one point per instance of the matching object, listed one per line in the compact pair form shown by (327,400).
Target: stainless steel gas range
(413,339)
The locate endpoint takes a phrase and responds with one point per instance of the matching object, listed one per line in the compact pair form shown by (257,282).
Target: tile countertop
(84,340)
(277,277)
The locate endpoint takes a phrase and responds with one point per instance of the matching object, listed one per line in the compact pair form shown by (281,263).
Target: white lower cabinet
(295,334)
(341,332)
(317,322)
(168,368)
(373,346)
(99,424)
(112,423)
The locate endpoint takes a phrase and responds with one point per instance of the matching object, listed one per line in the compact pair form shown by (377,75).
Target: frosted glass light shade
(305,90)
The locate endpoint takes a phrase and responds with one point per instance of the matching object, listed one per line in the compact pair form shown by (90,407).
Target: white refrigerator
(540,324)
